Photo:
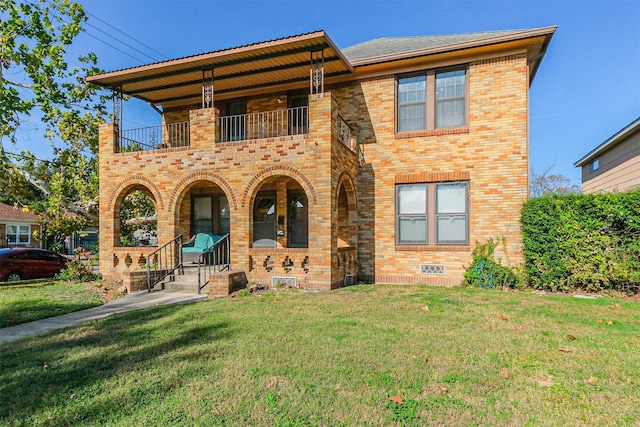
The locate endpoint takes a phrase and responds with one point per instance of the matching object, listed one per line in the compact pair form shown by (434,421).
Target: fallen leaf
(505,372)
(592,379)
(518,328)
(592,356)
(600,321)
(571,337)
(492,385)
(609,323)
(45,367)
(397,399)
(425,308)
(442,388)
(565,350)
(502,317)
(618,305)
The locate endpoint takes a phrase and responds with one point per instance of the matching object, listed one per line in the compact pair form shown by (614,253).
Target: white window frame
(18,233)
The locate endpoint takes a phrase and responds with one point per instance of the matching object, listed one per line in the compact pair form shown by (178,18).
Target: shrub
(77,271)
(488,272)
(587,242)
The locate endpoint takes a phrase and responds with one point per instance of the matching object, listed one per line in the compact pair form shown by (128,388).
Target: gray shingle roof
(386,46)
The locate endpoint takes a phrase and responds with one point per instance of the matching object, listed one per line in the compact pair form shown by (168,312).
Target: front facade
(615,164)
(18,228)
(383,162)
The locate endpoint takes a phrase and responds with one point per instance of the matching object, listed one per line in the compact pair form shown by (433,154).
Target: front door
(264,220)
(298,218)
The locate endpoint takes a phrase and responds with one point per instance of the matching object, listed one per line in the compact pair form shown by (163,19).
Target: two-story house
(382,162)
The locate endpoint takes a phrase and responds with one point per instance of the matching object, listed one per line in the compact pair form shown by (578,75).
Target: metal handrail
(214,259)
(164,261)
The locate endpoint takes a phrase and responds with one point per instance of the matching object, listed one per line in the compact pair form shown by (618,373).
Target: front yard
(364,355)
(21,303)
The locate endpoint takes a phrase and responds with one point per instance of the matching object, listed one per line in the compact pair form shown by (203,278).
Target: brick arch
(182,185)
(350,189)
(288,171)
(133,181)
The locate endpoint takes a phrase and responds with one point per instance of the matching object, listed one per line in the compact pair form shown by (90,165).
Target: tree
(38,81)
(548,183)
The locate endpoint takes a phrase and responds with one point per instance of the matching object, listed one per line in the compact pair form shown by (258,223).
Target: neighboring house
(614,165)
(18,228)
(384,162)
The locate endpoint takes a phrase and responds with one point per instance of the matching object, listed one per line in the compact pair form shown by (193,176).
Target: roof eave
(614,140)
(546,31)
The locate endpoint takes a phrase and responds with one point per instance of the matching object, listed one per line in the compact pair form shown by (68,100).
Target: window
(18,234)
(432,209)
(594,165)
(432,100)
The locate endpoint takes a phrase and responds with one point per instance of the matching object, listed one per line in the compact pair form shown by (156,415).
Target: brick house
(18,228)
(613,165)
(382,162)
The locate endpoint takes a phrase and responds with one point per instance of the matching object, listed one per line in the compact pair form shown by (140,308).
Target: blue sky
(587,88)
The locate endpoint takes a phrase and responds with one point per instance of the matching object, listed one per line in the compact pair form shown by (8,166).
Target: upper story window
(432,100)
(18,234)
(594,165)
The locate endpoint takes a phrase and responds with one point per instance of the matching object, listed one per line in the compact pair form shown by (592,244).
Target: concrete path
(126,303)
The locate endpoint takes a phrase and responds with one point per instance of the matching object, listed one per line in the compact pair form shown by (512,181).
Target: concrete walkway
(126,303)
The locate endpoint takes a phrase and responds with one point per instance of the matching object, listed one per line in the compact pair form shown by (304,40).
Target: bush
(488,272)
(77,271)
(587,242)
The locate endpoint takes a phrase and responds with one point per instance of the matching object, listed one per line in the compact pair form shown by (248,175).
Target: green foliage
(406,413)
(77,271)
(40,80)
(138,212)
(488,272)
(587,242)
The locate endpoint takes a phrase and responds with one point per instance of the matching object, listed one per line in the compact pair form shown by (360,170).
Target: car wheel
(13,277)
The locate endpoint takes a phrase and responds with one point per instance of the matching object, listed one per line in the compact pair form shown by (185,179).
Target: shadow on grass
(40,379)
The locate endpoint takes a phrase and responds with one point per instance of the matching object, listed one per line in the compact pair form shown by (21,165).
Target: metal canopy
(278,62)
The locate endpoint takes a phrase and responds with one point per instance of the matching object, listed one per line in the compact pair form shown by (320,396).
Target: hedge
(587,242)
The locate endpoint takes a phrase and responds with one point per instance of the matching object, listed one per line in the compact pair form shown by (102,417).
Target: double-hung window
(18,234)
(432,214)
(432,100)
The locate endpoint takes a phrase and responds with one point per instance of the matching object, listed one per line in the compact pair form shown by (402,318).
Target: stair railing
(164,261)
(214,259)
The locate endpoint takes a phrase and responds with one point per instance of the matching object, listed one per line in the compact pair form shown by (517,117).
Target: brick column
(107,148)
(203,127)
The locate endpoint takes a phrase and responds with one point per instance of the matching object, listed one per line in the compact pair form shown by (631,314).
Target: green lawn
(28,302)
(451,356)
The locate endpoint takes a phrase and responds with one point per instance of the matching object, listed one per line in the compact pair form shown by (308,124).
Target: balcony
(243,127)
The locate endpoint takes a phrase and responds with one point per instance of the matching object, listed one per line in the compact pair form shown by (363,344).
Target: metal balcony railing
(154,137)
(269,124)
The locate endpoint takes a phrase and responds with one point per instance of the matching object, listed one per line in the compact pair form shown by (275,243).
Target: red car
(29,263)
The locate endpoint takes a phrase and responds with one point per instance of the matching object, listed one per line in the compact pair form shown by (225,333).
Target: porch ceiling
(278,62)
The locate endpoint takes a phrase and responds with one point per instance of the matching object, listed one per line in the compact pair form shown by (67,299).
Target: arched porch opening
(346,224)
(202,207)
(279,214)
(135,220)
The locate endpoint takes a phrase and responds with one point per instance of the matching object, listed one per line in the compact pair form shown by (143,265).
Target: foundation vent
(349,279)
(284,281)
(432,269)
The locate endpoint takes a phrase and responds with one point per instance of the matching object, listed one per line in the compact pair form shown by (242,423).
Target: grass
(364,355)
(20,303)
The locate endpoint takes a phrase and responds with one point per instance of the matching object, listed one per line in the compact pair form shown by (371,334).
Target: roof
(254,66)
(384,49)
(614,140)
(280,63)
(11,213)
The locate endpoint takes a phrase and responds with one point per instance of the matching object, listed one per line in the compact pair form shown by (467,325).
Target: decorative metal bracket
(316,79)
(207,88)
(117,107)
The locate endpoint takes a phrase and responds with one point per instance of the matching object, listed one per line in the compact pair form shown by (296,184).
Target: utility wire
(50,162)
(120,41)
(113,47)
(127,35)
